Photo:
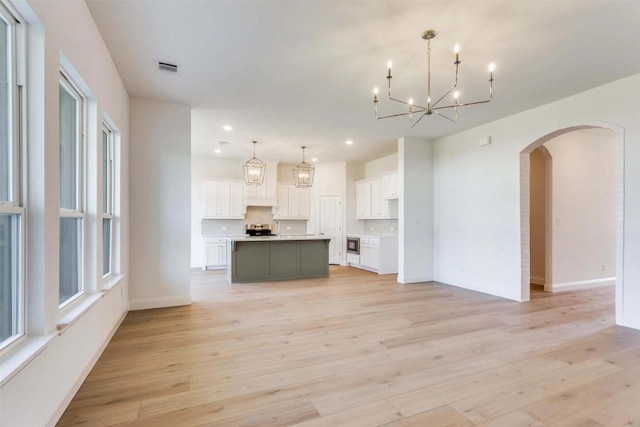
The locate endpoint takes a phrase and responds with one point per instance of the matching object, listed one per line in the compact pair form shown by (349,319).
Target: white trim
(17,358)
(147,303)
(583,284)
(629,322)
(75,312)
(537,280)
(111,281)
(414,279)
(71,391)
(507,292)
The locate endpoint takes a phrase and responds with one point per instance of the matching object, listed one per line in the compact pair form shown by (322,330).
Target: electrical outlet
(559,220)
(603,267)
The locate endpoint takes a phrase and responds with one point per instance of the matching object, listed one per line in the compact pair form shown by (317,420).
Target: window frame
(108,186)
(14,205)
(79,212)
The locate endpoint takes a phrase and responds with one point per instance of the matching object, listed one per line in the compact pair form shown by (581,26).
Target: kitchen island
(259,259)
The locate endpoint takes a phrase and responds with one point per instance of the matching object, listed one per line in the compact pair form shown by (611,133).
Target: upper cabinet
(371,202)
(390,183)
(293,202)
(222,199)
(265,194)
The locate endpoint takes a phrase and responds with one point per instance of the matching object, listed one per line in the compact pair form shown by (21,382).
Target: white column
(415,210)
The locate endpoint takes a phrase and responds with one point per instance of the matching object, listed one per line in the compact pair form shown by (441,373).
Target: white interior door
(331,225)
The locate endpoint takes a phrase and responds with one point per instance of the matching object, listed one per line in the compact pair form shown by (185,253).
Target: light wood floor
(357,349)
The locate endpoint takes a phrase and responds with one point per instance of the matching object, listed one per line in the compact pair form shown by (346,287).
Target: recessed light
(349,142)
(217,151)
(314,159)
(228,128)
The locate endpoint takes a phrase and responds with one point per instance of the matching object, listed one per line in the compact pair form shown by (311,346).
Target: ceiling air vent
(165,66)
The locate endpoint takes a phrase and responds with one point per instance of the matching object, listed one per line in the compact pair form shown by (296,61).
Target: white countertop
(275,238)
(373,235)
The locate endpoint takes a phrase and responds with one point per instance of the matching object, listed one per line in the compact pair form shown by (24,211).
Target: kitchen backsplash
(376,227)
(254,215)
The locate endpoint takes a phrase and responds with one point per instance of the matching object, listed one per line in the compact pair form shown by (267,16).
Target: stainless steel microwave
(353,245)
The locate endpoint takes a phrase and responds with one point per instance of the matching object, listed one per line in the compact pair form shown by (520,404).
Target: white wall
(583,208)
(477,193)
(378,167)
(415,210)
(39,392)
(538,214)
(160,182)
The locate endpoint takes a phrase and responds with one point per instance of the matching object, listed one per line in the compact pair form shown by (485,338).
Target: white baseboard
(145,304)
(633,323)
(537,280)
(75,386)
(584,284)
(414,279)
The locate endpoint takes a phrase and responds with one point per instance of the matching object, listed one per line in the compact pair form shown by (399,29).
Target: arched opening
(555,271)
(540,214)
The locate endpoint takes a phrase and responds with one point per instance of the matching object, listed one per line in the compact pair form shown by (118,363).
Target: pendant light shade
(254,169)
(303,173)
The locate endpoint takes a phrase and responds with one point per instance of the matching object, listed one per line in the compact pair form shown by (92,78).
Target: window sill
(24,352)
(73,314)
(111,281)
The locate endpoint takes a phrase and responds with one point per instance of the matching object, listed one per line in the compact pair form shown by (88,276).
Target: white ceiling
(292,73)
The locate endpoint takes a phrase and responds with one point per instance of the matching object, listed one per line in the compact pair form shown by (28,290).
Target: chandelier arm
(464,104)
(416,122)
(401,114)
(419,107)
(443,116)
(443,96)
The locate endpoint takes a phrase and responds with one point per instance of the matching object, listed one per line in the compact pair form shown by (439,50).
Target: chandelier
(303,173)
(432,107)
(254,169)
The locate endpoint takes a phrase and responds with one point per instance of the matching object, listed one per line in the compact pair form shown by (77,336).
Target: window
(72,114)
(11,209)
(107,199)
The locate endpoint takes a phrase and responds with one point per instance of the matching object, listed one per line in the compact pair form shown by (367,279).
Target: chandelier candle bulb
(456,49)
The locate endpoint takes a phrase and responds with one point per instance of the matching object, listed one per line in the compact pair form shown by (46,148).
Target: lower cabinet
(369,253)
(215,253)
(377,253)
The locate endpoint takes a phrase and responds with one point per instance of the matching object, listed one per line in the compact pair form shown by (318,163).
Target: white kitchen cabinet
(390,183)
(293,202)
(370,201)
(222,199)
(215,253)
(265,194)
(369,253)
(377,253)
(363,199)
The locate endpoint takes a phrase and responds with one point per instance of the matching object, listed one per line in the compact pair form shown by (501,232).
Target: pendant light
(303,173)
(254,169)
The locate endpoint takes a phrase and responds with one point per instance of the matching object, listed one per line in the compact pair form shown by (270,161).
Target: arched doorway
(525,212)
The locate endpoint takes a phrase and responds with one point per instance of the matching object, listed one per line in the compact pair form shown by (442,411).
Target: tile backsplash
(376,227)
(254,215)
